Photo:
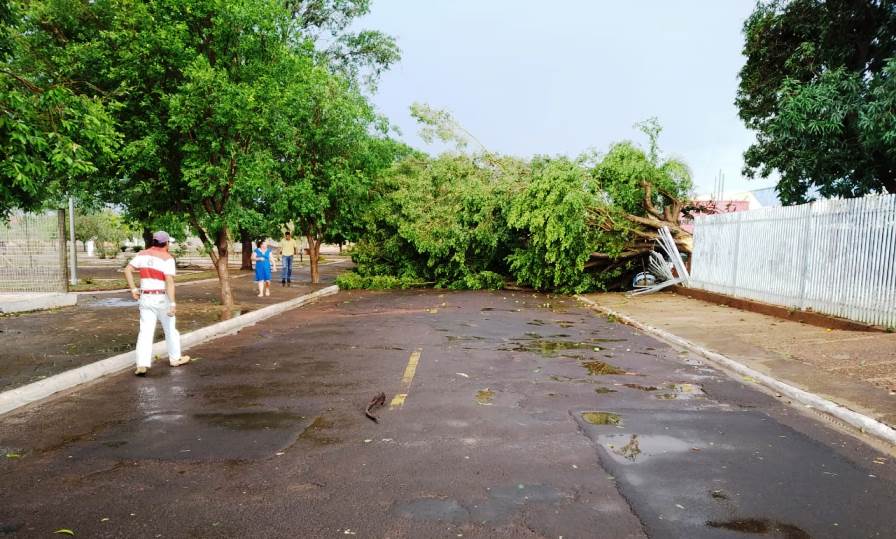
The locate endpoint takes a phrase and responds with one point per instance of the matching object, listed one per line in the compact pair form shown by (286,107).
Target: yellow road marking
(409,372)
(397,400)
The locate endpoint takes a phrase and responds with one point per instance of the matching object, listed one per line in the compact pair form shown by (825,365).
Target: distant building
(731,202)
(767,198)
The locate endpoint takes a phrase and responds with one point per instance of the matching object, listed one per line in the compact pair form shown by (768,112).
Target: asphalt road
(507,415)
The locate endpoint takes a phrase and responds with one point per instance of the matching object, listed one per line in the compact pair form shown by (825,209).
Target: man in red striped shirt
(156,296)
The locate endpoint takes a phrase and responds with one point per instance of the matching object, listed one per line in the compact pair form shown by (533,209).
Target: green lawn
(116,284)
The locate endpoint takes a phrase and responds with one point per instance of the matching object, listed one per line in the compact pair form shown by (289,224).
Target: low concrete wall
(35,301)
(21,396)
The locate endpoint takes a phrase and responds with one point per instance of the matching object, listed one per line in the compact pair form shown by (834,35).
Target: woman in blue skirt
(262,258)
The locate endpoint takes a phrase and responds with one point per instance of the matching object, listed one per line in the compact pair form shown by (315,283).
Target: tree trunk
(313,256)
(223,245)
(147,238)
(246,240)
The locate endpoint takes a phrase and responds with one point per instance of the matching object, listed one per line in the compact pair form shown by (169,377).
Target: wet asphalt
(523,415)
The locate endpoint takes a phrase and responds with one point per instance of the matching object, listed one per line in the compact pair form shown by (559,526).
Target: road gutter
(43,389)
(864,423)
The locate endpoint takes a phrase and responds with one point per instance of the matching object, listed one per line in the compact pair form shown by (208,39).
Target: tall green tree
(333,146)
(819,89)
(54,132)
(200,88)
(361,56)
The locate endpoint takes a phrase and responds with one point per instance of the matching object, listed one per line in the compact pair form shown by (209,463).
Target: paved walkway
(855,369)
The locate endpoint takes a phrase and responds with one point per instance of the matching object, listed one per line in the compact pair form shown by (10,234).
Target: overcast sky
(532,77)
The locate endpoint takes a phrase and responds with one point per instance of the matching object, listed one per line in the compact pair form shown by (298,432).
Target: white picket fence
(832,256)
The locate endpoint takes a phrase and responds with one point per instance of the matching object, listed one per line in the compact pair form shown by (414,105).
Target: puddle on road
(629,448)
(190,436)
(452,338)
(548,347)
(761,526)
(115,443)
(433,509)
(502,505)
(315,433)
(249,420)
(640,387)
(9,528)
(602,418)
(113,302)
(485,396)
(600,368)
(681,392)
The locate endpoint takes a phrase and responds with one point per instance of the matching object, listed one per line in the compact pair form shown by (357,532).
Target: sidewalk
(37,345)
(854,369)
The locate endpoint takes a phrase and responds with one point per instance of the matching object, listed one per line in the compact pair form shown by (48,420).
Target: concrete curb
(864,423)
(21,396)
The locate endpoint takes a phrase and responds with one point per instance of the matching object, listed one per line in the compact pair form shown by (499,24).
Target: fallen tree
(571,225)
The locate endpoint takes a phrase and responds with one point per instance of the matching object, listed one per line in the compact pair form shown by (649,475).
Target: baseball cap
(161,236)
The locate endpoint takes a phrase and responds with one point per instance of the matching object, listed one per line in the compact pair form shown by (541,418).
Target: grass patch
(122,283)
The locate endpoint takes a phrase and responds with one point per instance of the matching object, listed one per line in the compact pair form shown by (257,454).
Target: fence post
(809,244)
(62,249)
(736,256)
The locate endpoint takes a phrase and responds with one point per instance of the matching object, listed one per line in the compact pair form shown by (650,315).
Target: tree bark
(147,238)
(313,256)
(222,241)
(246,240)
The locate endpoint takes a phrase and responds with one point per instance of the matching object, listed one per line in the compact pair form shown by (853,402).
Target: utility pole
(73,260)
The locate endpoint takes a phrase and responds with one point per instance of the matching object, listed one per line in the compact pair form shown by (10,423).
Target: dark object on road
(376,402)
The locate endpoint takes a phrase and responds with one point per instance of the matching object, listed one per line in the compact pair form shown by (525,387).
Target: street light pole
(73,259)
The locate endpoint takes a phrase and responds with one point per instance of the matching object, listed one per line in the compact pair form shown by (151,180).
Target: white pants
(153,307)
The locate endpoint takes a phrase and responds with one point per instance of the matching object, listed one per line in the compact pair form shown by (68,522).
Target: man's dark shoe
(289,283)
(283,282)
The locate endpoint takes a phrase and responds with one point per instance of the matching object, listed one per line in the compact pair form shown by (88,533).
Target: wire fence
(832,256)
(31,259)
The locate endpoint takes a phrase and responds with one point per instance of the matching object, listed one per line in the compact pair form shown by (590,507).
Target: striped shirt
(154,264)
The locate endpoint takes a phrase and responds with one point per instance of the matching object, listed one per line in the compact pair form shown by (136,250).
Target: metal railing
(32,253)
(832,256)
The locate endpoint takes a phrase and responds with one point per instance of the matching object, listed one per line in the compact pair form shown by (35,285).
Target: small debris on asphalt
(376,402)
(485,396)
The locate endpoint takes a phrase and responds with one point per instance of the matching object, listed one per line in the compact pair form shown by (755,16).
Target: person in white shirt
(156,296)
